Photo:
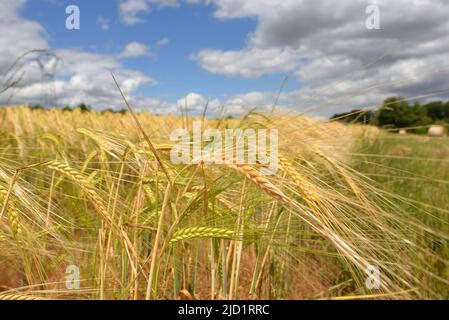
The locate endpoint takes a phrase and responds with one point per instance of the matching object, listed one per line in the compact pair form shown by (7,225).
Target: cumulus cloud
(80,76)
(231,105)
(196,103)
(327,46)
(22,35)
(130,10)
(250,62)
(157,106)
(135,49)
(339,64)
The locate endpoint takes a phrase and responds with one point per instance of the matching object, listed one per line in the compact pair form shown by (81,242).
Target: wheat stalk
(17,297)
(201,232)
(249,172)
(300,181)
(255,176)
(13,217)
(79,178)
(327,212)
(164,146)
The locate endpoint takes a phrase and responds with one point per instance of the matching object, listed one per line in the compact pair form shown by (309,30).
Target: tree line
(82,107)
(397,112)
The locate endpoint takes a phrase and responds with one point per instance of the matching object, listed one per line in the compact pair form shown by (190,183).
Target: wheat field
(91,190)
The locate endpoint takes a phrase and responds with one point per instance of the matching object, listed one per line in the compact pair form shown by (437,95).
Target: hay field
(88,190)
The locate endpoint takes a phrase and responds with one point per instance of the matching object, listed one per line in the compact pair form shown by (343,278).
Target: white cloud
(80,76)
(339,64)
(135,49)
(162,42)
(250,62)
(328,48)
(233,105)
(103,23)
(18,35)
(196,103)
(129,10)
(239,104)
(84,77)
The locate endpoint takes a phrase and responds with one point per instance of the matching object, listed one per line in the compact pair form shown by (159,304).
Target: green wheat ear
(201,232)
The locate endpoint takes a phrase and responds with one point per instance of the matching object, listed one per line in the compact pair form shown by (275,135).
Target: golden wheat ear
(184,294)
(18,297)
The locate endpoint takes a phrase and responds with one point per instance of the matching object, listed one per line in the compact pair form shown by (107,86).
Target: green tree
(84,107)
(398,113)
(355,116)
(36,107)
(437,110)
(420,117)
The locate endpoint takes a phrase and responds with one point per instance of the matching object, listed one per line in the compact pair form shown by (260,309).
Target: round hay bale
(402,132)
(437,131)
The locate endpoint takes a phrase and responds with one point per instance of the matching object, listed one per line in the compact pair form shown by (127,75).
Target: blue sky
(188,29)
(231,53)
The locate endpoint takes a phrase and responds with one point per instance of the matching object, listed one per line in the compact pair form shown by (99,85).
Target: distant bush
(355,116)
(36,107)
(397,112)
(109,110)
(84,107)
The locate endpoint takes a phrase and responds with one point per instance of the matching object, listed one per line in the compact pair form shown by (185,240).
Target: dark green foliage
(110,110)
(397,112)
(437,110)
(84,108)
(36,107)
(355,116)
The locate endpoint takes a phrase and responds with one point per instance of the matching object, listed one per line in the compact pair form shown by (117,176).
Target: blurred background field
(416,168)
